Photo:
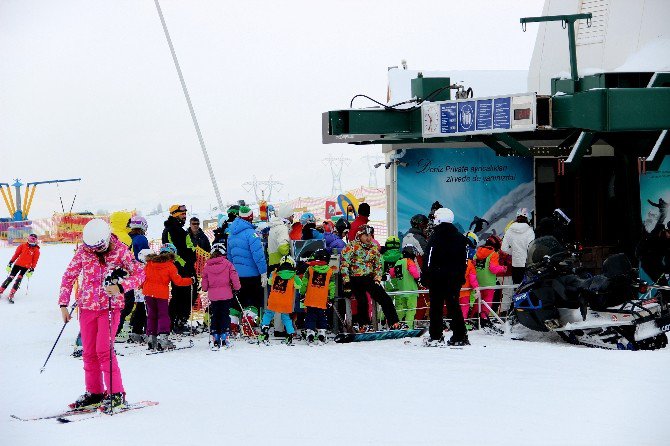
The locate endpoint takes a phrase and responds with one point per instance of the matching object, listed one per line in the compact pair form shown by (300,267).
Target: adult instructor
(174,232)
(444,272)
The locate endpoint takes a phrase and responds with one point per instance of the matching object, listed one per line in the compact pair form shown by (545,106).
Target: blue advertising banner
(655,207)
(474,183)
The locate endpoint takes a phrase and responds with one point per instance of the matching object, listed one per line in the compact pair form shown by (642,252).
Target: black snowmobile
(604,311)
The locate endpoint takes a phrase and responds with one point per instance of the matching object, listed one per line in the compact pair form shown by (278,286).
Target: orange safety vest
(317,289)
(282,295)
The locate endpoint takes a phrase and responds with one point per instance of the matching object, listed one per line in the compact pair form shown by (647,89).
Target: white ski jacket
(516,241)
(278,240)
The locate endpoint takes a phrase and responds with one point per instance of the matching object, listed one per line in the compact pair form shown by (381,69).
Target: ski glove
(9,268)
(30,272)
(264,279)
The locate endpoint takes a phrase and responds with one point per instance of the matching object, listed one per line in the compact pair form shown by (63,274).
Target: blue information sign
(448,118)
(501,113)
(466,116)
(484,114)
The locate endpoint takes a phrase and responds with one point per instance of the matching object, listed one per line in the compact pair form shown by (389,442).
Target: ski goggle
(98,247)
(365,230)
(180,210)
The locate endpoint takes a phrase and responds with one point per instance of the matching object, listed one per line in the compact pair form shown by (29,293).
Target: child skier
(102,261)
(487,268)
(468,297)
(405,275)
(220,281)
(23,262)
(284,282)
(318,287)
(138,241)
(160,271)
(138,320)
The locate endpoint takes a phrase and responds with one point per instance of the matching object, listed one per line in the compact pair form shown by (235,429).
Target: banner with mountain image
(474,183)
(655,207)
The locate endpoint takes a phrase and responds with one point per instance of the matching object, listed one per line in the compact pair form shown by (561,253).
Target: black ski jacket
(175,233)
(446,255)
(200,239)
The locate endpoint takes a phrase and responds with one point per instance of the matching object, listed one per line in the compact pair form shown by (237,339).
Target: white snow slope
(497,391)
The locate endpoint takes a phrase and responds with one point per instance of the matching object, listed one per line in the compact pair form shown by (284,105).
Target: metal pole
(190,107)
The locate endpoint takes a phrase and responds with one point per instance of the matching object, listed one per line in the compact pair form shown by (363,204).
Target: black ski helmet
(409,252)
(418,221)
(321,255)
(341,225)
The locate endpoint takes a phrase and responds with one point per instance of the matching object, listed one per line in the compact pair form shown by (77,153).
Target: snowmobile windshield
(544,246)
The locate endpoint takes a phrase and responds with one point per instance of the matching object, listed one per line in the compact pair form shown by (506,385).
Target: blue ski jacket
(139,243)
(245,249)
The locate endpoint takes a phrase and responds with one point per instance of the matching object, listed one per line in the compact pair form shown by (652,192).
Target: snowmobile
(604,311)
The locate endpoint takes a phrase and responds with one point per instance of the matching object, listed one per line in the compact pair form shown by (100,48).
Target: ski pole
(111,352)
(251,329)
(190,324)
(59,335)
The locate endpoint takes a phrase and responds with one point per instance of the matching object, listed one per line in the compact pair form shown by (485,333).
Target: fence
(60,228)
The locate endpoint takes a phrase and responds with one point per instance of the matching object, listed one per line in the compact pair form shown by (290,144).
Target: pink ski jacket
(92,295)
(219,279)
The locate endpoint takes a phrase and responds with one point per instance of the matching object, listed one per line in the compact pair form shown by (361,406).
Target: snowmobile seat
(613,286)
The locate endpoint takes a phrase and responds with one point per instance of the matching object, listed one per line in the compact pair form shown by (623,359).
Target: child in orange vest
(283,283)
(22,262)
(317,289)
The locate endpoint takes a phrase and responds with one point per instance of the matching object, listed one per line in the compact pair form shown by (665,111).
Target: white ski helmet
(523,212)
(96,234)
(139,223)
(444,215)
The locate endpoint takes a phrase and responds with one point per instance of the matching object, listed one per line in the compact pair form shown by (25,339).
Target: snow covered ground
(497,391)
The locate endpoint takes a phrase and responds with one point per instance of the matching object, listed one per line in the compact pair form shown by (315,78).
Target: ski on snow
(77,414)
(98,413)
(343,338)
(155,352)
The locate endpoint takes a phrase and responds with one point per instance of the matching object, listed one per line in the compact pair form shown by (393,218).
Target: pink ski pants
(95,334)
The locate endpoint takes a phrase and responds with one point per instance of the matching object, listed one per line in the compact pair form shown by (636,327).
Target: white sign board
(473,116)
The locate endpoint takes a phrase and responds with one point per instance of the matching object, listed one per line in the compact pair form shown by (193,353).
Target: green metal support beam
(613,109)
(569,22)
(584,142)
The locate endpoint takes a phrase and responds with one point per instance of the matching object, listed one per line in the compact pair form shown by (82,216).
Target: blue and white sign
(513,113)
(484,114)
(466,116)
(501,113)
(448,118)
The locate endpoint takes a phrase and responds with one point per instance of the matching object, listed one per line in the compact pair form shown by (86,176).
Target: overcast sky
(88,89)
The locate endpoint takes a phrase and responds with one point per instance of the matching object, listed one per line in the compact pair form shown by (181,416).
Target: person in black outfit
(174,232)
(198,236)
(444,273)
(221,233)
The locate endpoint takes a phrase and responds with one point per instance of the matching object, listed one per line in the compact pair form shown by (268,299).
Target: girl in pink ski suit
(93,303)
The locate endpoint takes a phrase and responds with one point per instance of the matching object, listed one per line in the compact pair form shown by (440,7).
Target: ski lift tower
(19,210)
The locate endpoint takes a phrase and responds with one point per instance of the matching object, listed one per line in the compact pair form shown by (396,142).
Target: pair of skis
(72,415)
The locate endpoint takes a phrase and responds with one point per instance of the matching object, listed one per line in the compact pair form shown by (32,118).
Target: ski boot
(310,337)
(225,340)
(112,403)
(11,295)
(458,342)
(136,338)
(164,343)
(87,401)
(2,290)
(428,342)
(322,336)
(215,341)
(264,337)
(289,339)
(152,342)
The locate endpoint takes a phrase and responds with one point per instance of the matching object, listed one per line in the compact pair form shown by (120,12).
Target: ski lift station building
(584,129)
